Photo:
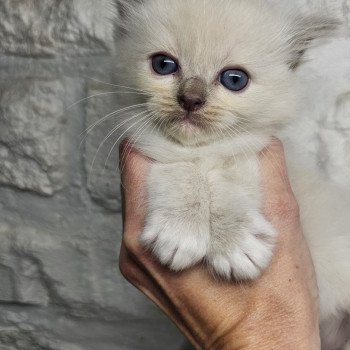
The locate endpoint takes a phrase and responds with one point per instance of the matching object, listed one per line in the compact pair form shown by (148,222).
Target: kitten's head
(216,69)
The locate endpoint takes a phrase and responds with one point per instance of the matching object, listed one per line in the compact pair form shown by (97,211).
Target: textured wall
(60,287)
(60,223)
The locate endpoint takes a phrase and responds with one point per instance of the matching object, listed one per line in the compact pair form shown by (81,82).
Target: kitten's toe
(246,254)
(236,265)
(188,253)
(176,246)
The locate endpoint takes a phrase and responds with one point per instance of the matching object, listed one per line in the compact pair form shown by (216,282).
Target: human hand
(277,311)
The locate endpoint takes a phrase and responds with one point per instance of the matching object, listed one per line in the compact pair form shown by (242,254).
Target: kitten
(216,80)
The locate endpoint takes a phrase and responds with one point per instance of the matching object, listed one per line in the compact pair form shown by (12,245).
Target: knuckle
(131,244)
(124,268)
(127,269)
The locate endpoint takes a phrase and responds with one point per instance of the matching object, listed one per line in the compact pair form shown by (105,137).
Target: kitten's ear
(306,33)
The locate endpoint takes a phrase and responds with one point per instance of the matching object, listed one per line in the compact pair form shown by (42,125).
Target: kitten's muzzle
(192,94)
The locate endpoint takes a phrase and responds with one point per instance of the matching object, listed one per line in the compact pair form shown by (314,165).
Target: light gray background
(60,221)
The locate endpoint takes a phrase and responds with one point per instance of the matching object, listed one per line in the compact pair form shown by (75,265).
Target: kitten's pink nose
(191,102)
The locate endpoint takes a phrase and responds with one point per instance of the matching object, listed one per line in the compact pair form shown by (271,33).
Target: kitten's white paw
(177,242)
(246,253)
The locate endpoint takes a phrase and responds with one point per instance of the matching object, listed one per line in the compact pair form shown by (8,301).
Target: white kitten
(216,81)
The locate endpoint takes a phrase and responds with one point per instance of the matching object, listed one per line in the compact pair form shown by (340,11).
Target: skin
(277,311)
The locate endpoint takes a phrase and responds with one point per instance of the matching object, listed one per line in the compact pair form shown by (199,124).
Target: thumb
(134,170)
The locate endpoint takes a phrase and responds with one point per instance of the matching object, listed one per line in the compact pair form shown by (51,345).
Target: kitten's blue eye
(164,65)
(234,79)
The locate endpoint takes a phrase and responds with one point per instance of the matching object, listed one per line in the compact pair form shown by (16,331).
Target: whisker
(124,109)
(158,126)
(134,140)
(145,122)
(123,134)
(108,116)
(104,94)
(116,85)
(110,134)
(158,122)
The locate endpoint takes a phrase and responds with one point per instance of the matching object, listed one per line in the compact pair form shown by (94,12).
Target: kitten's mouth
(187,128)
(188,121)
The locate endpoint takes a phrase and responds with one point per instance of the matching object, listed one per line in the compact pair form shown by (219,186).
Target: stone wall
(60,221)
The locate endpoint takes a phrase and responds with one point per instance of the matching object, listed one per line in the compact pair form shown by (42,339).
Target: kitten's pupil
(165,62)
(235,79)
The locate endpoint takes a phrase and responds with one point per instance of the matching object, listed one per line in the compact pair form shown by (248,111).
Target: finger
(280,206)
(133,189)
(274,168)
(279,197)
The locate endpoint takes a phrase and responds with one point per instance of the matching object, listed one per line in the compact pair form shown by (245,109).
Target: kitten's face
(213,69)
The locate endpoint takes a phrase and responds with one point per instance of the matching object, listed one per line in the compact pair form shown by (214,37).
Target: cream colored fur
(204,196)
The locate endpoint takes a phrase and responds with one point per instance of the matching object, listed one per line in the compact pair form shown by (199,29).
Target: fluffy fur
(204,196)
